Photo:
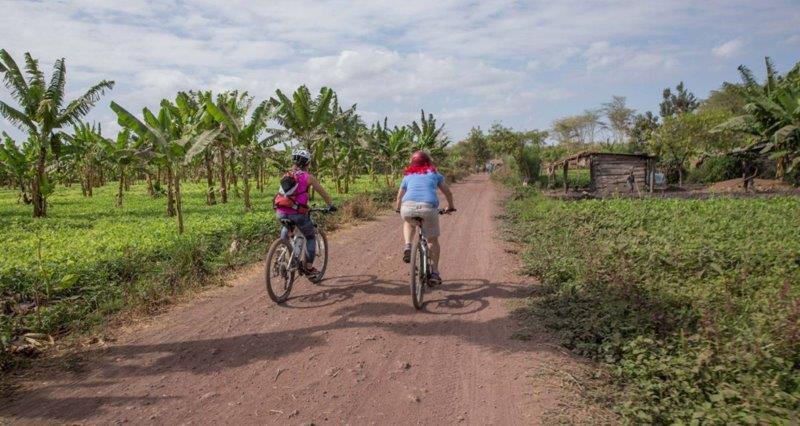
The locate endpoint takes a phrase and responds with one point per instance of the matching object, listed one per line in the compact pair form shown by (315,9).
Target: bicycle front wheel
(280,274)
(321,255)
(419,273)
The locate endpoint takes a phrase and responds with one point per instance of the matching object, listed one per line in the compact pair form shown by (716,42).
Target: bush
(716,169)
(90,259)
(694,305)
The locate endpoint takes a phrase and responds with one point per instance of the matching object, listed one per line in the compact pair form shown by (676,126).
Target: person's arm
(448,194)
(400,193)
(317,187)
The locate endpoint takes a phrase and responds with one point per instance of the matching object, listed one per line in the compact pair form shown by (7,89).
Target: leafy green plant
(692,304)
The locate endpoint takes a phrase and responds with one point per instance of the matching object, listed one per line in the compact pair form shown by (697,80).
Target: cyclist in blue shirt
(417,198)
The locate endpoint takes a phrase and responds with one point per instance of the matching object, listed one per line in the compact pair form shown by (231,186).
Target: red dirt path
(352,350)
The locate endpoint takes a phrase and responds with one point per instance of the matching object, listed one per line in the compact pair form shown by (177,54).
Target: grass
(693,304)
(89,259)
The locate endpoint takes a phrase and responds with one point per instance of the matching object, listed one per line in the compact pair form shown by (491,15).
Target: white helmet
(301,157)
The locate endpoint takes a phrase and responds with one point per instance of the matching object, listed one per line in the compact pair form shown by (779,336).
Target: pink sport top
(302,192)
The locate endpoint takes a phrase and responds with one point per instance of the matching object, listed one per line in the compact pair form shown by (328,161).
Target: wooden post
(651,170)
(566,172)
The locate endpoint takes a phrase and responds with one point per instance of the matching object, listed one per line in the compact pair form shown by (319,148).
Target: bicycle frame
(292,237)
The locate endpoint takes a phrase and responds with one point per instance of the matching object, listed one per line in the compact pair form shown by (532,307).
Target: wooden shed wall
(610,172)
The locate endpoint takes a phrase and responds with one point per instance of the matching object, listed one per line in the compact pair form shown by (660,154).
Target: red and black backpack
(288,193)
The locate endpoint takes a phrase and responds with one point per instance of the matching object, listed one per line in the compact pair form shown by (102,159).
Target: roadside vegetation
(693,306)
(96,223)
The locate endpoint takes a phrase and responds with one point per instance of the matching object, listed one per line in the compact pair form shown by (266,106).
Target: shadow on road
(445,314)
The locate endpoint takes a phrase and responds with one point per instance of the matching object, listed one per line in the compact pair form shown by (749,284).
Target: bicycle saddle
(289,223)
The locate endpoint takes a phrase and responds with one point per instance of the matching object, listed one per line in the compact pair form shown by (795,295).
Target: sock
(407,246)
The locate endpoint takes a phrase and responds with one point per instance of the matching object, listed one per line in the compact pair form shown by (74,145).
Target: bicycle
(285,257)
(421,264)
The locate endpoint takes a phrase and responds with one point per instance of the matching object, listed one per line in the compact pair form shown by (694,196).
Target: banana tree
(121,153)
(244,136)
(427,136)
(42,112)
(171,141)
(304,119)
(83,151)
(772,114)
(17,162)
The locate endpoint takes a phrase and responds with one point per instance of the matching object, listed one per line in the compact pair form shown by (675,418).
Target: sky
(470,63)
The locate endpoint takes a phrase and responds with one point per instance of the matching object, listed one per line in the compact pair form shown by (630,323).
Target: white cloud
(729,48)
(472,62)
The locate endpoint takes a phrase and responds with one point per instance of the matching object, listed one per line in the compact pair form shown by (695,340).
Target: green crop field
(89,258)
(694,305)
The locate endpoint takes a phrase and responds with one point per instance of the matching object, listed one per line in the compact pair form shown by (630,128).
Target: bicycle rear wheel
(419,273)
(279,273)
(321,255)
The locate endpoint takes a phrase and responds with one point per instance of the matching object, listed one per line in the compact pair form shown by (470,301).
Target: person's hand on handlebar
(331,208)
(447,210)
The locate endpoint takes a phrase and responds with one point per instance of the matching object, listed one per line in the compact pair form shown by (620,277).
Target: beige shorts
(429,214)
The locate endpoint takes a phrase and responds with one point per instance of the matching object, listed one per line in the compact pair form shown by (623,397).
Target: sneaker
(311,272)
(407,255)
(434,279)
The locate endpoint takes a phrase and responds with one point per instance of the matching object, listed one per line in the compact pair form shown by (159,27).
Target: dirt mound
(761,185)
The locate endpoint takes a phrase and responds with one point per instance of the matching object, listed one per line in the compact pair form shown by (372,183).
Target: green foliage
(42,111)
(522,147)
(772,114)
(695,305)
(88,259)
(681,101)
(685,135)
(716,169)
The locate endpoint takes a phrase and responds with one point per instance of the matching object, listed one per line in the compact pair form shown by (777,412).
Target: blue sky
(469,63)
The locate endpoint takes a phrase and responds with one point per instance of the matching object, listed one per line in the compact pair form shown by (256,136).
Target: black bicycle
(286,256)
(421,264)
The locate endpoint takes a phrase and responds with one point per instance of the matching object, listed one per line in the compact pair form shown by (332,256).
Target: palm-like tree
(121,153)
(427,136)
(17,162)
(243,135)
(83,152)
(42,112)
(772,114)
(172,140)
(305,119)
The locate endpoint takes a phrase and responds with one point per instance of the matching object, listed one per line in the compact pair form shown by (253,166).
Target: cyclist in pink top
(300,160)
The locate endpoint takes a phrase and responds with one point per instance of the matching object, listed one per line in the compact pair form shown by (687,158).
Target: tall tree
(619,117)
(642,130)
(171,140)
(42,112)
(679,102)
(17,163)
(243,135)
(772,114)
(304,118)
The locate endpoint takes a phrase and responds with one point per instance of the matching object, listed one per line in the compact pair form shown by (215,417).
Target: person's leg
(284,230)
(307,228)
(408,233)
(433,245)
(406,212)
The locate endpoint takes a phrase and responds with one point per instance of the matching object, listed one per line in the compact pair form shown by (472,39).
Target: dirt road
(349,351)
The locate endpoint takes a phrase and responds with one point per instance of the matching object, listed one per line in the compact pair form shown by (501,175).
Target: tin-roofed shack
(610,172)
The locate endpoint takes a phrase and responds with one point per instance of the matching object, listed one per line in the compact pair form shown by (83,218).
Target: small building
(609,172)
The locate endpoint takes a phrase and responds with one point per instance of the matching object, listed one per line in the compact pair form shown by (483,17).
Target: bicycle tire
(418,275)
(322,243)
(272,270)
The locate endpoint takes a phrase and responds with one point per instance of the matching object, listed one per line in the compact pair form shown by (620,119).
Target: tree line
(224,139)
(761,118)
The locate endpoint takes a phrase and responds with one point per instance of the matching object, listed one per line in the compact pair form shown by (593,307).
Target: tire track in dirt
(352,350)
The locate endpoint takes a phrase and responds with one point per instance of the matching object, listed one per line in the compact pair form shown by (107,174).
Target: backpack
(288,192)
